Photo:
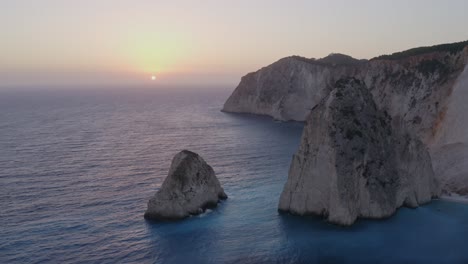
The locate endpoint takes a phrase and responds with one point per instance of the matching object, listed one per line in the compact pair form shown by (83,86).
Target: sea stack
(356,161)
(189,189)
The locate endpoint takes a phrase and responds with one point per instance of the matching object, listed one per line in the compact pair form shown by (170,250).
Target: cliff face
(287,89)
(422,90)
(415,90)
(353,163)
(449,147)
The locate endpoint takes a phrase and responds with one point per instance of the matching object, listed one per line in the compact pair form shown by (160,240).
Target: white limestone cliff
(450,147)
(287,89)
(352,162)
(422,89)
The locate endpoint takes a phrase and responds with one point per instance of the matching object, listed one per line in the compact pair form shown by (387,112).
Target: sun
(153,78)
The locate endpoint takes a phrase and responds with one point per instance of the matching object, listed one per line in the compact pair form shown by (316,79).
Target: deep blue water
(77,169)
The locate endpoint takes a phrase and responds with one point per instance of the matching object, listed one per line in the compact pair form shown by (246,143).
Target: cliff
(353,162)
(422,89)
(290,87)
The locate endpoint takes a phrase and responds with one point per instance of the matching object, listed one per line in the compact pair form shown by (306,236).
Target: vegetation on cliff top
(452,48)
(333,59)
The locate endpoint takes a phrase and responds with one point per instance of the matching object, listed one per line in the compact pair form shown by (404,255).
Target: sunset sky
(212,42)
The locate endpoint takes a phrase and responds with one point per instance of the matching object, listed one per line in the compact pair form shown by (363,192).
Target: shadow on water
(190,240)
(428,234)
(408,237)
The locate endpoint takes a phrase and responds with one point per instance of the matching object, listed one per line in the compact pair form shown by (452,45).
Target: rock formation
(189,189)
(352,162)
(290,87)
(424,89)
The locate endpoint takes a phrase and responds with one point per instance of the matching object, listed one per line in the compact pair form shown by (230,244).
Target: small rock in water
(190,188)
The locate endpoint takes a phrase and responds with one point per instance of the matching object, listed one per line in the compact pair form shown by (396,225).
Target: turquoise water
(77,168)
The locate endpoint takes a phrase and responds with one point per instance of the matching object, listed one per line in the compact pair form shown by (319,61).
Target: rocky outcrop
(424,89)
(356,161)
(189,189)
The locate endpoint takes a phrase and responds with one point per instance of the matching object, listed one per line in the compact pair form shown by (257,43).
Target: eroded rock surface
(189,189)
(356,161)
(289,88)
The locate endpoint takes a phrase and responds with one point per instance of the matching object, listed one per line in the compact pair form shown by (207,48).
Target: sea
(77,168)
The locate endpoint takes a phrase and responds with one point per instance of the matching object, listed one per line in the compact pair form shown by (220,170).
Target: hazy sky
(101,42)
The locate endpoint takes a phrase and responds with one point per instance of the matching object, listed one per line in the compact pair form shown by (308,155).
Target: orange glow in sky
(205,42)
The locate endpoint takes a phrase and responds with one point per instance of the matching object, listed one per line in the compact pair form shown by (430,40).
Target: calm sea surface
(77,169)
